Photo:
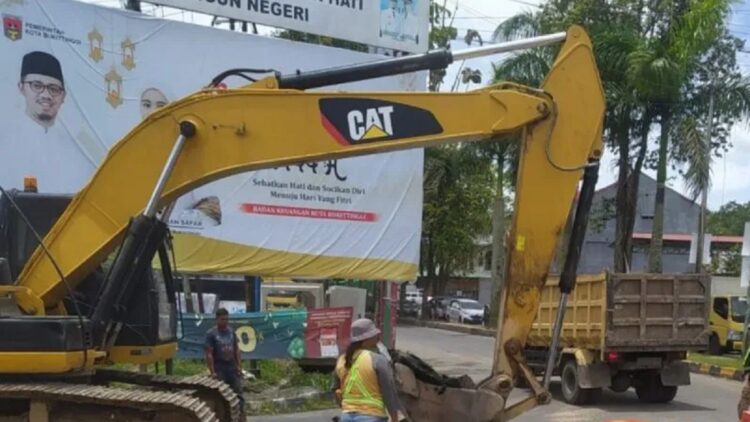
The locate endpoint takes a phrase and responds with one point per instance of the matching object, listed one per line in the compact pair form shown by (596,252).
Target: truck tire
(571,390)
(714,347)
(651,390)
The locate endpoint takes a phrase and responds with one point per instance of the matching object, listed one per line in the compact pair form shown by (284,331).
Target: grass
(726,361)
(188,367)
(310,405)
(275,374)
(288,373)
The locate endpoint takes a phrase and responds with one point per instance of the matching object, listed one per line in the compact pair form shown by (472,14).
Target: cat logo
(362,120)
(12,27)
(374,123)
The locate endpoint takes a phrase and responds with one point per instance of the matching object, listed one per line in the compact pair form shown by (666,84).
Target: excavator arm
(274,122)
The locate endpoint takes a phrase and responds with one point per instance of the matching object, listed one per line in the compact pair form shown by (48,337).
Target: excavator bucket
(429,396)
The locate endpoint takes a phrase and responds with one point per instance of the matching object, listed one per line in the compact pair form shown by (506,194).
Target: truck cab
(727,319)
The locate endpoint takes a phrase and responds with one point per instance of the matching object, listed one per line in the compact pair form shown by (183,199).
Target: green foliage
(458,193)
(726,262)
(734,362)
(189,367)
(442,32)
(601,213)
(656,60)
(729,220)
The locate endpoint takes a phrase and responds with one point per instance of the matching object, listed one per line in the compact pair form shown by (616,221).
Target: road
(707,399)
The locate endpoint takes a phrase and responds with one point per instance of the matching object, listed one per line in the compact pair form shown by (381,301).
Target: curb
(716,371)
(457,328)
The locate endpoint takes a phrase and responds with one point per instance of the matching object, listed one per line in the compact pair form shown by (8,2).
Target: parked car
(466,311)
(438,306)
(411,308)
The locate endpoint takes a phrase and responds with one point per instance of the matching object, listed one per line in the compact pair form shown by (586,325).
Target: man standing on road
(223,354)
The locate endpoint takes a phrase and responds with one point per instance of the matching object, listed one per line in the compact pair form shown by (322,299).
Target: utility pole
(704,195)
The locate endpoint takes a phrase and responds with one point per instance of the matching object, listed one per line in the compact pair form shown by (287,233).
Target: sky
(730,174)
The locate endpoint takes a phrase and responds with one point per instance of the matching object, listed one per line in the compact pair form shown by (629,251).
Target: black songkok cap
(42,64)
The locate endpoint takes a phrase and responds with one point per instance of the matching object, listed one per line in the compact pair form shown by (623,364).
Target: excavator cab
(151,319)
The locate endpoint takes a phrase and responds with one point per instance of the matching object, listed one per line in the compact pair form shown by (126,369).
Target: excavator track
(225,402)
(156,405)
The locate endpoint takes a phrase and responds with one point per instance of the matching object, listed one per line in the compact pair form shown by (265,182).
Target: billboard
(298,333)
(397,24)
(78,77)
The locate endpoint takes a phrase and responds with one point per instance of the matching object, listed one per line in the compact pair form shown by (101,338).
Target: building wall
(680,216)
(485,291)
(727,286)
(597,254)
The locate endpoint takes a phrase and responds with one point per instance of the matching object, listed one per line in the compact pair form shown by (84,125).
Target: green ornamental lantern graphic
(296,348)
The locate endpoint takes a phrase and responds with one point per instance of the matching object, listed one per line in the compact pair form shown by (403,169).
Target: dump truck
(621,331)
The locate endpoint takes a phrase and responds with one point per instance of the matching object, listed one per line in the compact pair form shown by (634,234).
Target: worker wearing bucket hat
(363,380)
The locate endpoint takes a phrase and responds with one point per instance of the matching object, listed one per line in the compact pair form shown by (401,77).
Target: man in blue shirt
(223,354)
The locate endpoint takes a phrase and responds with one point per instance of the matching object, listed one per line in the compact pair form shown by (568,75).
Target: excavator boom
(273,122)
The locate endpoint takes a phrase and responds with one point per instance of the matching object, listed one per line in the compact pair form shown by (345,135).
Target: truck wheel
(651,390)
(571,391)
(714,347)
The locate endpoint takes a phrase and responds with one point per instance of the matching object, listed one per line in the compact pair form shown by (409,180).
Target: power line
(482,17)
(525,3)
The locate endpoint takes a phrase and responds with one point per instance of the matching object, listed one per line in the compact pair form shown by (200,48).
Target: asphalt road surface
(708,399)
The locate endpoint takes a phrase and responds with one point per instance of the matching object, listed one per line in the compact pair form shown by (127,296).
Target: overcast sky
(730,175)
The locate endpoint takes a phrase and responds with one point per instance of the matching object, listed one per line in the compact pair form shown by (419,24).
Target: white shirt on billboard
(390,23)
(51,155)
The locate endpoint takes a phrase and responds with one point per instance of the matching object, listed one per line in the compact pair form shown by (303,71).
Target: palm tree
(662,68)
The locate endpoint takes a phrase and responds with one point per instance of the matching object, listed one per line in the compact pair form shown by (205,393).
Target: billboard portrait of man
(42,86)
(39,144)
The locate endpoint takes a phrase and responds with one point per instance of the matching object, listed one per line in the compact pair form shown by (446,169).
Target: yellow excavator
(87,298)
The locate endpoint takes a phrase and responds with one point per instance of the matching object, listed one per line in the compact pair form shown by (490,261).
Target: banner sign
(77,78)
(327,332)
(397,24)
(317,333)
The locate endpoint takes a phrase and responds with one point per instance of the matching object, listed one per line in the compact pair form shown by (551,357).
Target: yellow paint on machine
(23,362)
(141,355)
(201,254)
